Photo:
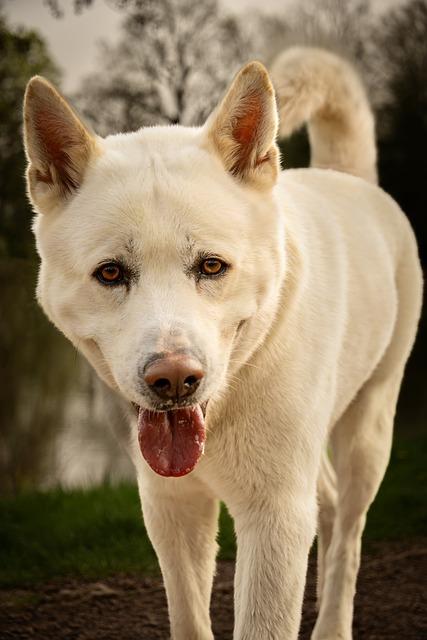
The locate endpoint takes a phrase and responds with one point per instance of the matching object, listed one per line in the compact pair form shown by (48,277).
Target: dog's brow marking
(130,246)
(190,244)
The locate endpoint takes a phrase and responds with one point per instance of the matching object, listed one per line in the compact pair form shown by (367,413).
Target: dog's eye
(110,273)
(212,267)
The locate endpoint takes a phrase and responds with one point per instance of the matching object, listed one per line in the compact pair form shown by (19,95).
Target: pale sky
(73,39)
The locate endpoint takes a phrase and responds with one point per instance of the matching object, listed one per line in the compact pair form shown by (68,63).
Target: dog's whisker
(246,364)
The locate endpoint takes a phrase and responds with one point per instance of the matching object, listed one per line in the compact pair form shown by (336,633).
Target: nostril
(190,381)
(162,384)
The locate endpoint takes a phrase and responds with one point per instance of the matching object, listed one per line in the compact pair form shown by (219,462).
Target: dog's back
(355,235)
(357,258)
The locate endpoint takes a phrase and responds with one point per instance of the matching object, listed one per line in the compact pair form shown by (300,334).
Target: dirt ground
(391,603)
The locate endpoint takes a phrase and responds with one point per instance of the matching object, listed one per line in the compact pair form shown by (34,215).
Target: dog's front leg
(273,540)
(182,519)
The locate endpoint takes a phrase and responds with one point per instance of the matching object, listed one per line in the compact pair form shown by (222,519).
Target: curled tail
(322,89)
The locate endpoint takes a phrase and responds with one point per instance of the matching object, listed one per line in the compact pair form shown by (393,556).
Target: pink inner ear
(245,132)
(247,125)
(54,139)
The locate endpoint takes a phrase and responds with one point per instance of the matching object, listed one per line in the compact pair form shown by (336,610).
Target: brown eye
(212,267)
(110,273)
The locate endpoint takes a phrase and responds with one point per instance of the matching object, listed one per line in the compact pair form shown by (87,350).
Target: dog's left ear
(243,128)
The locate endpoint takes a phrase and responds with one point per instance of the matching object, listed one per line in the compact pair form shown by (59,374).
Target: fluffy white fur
(317,87)
(305,337)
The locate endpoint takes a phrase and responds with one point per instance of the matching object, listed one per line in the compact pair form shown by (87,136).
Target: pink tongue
(172,441)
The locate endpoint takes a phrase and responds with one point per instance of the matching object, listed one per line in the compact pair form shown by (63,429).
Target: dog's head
(161,251)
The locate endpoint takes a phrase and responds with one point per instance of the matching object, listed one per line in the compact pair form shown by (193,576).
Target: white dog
(260,316)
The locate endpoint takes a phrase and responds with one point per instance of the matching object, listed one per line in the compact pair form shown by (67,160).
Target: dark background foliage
(23,53)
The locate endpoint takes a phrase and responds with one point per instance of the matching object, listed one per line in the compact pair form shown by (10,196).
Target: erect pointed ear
(243,128)
(58,146)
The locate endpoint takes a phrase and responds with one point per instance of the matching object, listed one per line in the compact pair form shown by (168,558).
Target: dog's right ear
(58,145)
(243,128)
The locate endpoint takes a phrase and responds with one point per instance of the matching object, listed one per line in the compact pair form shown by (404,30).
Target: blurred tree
(56,7)
(173,61)
(337,25)
(27,342)
(401,64)
(22,54)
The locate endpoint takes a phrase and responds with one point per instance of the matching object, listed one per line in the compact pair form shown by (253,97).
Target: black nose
(175,377)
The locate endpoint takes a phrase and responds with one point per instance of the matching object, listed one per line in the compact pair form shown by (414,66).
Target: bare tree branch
(171,64)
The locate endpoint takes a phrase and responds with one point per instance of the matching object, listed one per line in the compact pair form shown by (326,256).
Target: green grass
(100,532)
(86,533)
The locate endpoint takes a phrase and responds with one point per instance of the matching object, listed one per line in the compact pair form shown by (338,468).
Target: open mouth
(172,442)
